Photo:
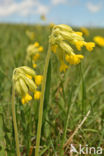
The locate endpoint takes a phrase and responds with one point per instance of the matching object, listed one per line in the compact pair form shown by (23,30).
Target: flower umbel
(33,52)
(61,39)
(24,83)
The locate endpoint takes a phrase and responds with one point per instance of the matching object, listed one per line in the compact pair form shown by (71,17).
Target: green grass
(72,94)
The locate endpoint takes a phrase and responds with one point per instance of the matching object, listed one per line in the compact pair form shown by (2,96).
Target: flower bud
(23,86)
(77,37)
(30,84)
(28,71)
(64,27)
(18,88)
(66,35)
(66,47)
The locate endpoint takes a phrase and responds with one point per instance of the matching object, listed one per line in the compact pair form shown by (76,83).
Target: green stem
(42,102)
(14,121)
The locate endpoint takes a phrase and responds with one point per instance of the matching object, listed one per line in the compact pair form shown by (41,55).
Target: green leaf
(2,138)
(46,101)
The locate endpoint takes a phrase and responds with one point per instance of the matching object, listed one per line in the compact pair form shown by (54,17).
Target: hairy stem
(14,121)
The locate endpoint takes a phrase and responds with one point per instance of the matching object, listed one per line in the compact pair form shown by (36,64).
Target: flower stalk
(14,121)
(42,102)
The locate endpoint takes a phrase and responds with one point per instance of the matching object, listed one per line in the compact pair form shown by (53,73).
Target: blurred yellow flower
(84,31)
(24,83)
(99,40)
(63,67)
(90,46)
(36,57)
(61,39)
(38,79)
(53,48)
(26,98)
(36,44)
(79,45)
(73,59)
(37,95)
(79,33)
(34,65)
(33,53)
(40,49)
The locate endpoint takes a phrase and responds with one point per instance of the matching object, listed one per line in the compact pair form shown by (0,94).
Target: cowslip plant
(60,41)
(25,81)
(33,53)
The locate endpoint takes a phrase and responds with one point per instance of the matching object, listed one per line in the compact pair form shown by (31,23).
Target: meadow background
(72,94)
(68,96)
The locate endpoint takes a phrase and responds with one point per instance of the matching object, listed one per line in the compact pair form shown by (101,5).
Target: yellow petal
(37,95)
(36,44)
(38,79)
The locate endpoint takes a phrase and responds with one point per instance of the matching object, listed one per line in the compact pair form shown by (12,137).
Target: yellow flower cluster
(99,41)
(31,35)
(25,81)
(84,31)
(61,38)
(33,52)
(73,59)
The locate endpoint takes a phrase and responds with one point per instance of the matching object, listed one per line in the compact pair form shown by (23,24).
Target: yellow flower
(26,98)
(61,39)
(85,31)
(63,67)
(73,59)
(53,48)
(36,44)
(37,95)
(90,46)
(24,83)
(40,49)
(38,79)
(23,100)
(79,45)
(34,65)
(36,57)
(99,40)
(79,33)
(30,77)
